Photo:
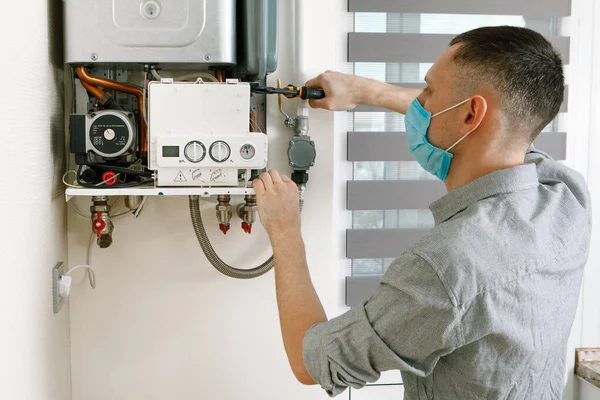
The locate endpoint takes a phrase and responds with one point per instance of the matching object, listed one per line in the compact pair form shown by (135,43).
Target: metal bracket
(289,122)
(57,302)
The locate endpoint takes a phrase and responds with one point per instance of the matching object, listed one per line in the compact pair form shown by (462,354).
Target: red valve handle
(99,224)
(224,228)
(247,227)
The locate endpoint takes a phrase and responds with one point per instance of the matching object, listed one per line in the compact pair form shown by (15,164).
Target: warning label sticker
(180,177)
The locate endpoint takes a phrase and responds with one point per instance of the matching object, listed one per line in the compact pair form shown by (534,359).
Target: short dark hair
(521,66)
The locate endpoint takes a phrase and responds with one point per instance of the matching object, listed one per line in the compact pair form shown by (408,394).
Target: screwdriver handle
(311,93)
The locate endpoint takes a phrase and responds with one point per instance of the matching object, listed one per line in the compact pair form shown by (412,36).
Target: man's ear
(476,112)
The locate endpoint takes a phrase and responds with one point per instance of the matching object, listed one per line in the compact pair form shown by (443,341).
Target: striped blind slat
(362,108)
(359,288)
(414,47)
(537,8)
(393,195)
(392,146)
(374,243)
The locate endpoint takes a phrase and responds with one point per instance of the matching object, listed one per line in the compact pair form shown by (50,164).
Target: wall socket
(57,301)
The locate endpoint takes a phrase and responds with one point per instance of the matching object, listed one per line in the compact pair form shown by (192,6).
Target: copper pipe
(94,90)
(219,75)
(125,88)
(252,122)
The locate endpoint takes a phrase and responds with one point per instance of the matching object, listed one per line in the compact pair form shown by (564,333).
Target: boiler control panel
(248,151)
(199,134)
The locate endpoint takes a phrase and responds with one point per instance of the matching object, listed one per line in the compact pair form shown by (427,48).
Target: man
(482,306)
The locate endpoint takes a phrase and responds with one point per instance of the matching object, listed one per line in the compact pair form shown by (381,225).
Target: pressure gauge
(194,151)
(219,151)
(247,152)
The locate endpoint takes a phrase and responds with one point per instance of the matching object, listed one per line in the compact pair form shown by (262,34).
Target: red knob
(109,178)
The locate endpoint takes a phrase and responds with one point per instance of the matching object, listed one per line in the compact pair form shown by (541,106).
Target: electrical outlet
(57,302)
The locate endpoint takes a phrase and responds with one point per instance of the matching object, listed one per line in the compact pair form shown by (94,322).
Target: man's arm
(298,303)
(408,323)
(344,92)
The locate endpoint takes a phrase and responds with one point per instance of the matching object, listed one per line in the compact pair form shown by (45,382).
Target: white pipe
(300,53)
(299,40)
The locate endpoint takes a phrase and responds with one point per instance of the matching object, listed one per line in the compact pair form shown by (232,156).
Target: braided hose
(212,255)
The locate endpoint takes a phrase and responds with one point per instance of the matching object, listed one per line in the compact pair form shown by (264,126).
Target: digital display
(170,151)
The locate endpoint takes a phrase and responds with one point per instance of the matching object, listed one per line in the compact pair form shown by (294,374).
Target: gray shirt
(482,306)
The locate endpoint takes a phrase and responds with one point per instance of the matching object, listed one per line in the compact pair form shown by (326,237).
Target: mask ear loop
(459,140)
(468,133)
(450,108)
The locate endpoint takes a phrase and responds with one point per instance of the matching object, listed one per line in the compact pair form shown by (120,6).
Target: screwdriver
(305,93)
(290,91)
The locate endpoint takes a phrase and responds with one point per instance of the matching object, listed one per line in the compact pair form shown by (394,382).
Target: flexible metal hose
(212,255)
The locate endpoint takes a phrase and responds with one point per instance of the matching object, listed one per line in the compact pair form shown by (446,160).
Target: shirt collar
(498,182)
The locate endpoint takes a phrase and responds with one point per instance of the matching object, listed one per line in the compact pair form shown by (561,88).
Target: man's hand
(342,92)
(277,202)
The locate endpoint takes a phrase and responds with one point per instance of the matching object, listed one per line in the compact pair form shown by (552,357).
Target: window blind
(397,42)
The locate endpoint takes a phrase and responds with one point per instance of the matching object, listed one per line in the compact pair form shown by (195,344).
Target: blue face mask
(433,159)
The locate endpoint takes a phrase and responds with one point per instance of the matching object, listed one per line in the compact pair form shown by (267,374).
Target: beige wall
(34,343)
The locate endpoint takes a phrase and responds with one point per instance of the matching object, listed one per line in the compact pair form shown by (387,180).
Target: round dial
(219,151)
(247,152)
(194,151)
(109,134)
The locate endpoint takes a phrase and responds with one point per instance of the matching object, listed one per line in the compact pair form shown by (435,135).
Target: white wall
(591,294)
(34,343)
(590,101)
(162,322)
(587,391)
(584,122)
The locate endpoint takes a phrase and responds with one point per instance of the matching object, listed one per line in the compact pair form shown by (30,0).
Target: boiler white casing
(150,31)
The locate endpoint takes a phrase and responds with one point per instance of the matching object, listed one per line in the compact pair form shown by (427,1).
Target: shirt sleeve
(407,324)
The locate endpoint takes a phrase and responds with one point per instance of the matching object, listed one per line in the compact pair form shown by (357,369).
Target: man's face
(439,95)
